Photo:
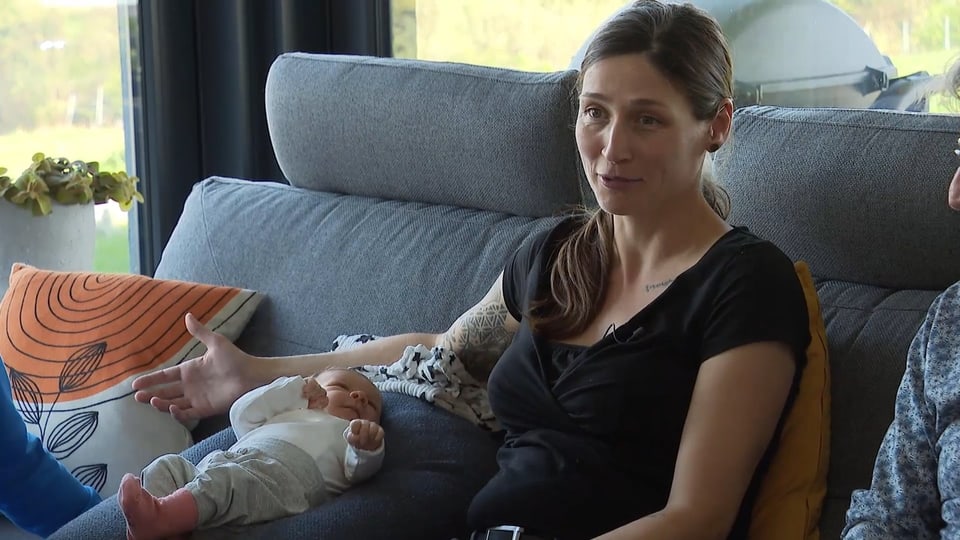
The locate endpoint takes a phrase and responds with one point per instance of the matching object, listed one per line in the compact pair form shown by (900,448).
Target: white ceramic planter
(62,240)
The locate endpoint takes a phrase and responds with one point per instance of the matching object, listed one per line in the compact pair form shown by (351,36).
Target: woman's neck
(675,236)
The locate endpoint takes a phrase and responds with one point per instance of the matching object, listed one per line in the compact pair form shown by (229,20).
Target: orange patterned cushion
(791,495)
(73,342)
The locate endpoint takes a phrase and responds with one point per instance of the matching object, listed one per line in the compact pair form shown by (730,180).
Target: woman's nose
(616,146)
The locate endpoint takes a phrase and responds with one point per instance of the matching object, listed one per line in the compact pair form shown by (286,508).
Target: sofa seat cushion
(434,463)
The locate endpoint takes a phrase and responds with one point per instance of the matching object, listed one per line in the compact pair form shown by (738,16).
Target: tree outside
(543,35)
(60,94)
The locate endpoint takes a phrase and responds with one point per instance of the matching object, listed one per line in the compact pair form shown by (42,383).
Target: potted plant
(47,218)
(60,180)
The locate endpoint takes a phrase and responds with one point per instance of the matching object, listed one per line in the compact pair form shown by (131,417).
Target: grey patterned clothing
(915,492)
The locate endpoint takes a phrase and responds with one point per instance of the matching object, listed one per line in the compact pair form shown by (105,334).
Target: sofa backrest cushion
(415,130)
(860,195)
(332,264)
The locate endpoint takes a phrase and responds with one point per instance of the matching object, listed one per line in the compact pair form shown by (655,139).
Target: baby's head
(350,395)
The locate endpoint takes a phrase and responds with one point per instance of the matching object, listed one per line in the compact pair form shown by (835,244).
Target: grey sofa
(410,182)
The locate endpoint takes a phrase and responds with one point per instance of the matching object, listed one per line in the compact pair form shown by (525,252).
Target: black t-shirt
(592,433)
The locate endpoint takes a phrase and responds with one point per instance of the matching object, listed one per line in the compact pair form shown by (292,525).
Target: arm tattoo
(479,337)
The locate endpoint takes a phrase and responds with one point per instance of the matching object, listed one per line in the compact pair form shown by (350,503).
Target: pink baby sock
(150,518)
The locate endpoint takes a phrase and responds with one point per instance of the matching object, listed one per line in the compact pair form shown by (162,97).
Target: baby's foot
(150,518)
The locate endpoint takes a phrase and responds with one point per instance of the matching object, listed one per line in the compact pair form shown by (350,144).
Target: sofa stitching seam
(763,117)
(206,232)
(430,69)
(871,309)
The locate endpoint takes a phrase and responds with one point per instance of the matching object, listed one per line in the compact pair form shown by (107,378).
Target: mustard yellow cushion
(791,496)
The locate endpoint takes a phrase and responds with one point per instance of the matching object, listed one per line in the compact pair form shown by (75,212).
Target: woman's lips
(617,182)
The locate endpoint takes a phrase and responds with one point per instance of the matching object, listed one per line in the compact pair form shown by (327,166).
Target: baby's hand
(315,395)
(365,435)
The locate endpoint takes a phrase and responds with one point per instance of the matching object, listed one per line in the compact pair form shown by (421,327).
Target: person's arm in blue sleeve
(37,493)
(922,443)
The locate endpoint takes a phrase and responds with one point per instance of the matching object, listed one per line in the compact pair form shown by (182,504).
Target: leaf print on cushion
(94,475)
(81,365)
(27,394)
(68,435)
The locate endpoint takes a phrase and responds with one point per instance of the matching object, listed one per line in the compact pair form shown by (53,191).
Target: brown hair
(685,44)
(952,80)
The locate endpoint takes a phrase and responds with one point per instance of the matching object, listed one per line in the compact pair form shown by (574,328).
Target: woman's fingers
(183,415)
(161,376)
(160,404)
(198,330)
(162,392)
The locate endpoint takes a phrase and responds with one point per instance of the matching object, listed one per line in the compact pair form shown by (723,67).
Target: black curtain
(197,74)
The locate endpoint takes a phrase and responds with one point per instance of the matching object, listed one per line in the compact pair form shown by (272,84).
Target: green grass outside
(112,251)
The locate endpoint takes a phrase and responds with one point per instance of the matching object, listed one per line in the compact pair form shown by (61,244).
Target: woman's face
(640,143)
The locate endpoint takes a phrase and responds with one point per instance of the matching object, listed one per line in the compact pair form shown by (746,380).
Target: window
(850,53)
(64,67)
(531,35)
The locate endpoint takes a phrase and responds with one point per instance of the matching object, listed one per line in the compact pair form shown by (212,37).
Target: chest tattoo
(654,286)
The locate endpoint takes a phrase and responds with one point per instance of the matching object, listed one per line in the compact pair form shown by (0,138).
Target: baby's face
(351,395)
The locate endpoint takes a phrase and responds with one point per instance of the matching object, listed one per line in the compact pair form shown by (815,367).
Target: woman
(640,356)
(916,477)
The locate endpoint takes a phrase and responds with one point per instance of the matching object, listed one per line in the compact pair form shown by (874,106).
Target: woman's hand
(365,435)
(203,386)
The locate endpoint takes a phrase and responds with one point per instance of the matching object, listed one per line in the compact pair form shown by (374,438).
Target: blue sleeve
(920,453)
(37,493)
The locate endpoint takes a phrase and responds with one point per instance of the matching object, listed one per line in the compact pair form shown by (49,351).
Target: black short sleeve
(759,299)
(517,272)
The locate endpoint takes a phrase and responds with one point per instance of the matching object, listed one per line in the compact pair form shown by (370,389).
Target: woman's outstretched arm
(208,385)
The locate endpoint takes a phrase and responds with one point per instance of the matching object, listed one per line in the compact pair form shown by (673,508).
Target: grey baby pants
(268,480)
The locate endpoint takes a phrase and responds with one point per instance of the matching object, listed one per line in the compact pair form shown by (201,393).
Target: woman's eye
(592,112)
(646,120)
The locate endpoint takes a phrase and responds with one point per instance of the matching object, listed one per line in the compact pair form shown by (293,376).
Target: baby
(300,441)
